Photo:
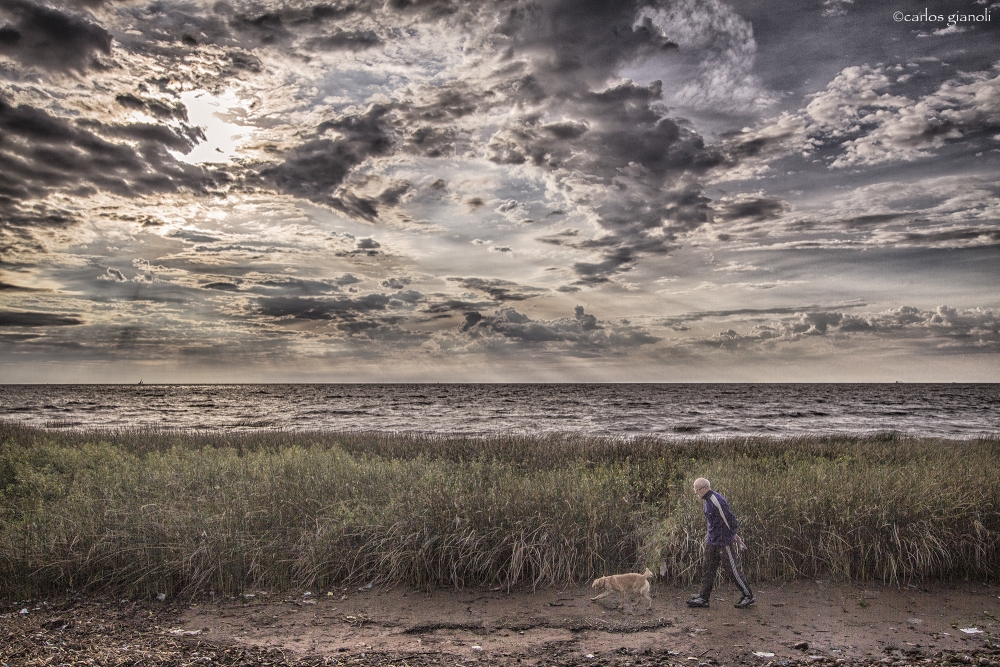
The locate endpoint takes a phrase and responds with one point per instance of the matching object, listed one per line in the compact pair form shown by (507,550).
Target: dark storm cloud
(499,290)
(153,106)
(36,35)
(372,317)
(617,128)
(945,329)
(989,234)
(614,261)
(367,206)
(757,209)
(367,246)
(582,334)
(7,287)
(345,40)
(298,286)
(753,313)
(266,28)
(192,236)
(244,32)
(640,168)
(316,168)
(222,287)
(322,309)
(17,216)
(585,41)
(449,306)
(174,31)
(43,154)
(395,283)
(431,142)
(614,257)
(13,318)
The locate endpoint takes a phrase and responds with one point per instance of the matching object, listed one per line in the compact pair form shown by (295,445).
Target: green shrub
(141,512)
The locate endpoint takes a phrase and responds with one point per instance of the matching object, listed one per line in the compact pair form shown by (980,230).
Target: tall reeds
(143,512)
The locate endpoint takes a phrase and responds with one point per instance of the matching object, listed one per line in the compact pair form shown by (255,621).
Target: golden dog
(624,584)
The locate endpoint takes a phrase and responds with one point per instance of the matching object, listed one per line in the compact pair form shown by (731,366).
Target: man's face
(700,490)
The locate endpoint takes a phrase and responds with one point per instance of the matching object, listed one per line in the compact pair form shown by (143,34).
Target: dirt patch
(799,623)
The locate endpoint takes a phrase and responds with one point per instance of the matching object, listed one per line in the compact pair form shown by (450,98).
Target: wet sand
(802,622)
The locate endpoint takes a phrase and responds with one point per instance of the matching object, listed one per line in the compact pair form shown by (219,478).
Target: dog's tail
(647,574)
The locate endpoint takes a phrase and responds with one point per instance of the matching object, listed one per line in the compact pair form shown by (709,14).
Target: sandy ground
(856,623)
(803,622)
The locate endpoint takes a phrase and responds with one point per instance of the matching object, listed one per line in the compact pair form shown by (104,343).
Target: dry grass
(141,512)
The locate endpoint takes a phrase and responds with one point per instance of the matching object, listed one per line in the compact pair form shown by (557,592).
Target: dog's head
(600,583)
(647,574)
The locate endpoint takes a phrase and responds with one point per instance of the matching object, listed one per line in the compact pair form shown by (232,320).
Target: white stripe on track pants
(726,556)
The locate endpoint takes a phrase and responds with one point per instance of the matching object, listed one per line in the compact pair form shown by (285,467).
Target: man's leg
(708,573)
(731,563)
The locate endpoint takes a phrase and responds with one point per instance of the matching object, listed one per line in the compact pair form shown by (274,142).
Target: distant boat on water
(140,380)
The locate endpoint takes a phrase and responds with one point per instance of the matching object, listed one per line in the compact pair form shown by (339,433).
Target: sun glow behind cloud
(225,140)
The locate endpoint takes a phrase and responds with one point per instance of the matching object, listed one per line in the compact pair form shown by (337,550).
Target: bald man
(722,527)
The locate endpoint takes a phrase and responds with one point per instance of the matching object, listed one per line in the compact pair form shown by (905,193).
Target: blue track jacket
(719,535)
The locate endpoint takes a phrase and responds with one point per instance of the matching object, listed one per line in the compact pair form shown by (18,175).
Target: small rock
(914,621)
(161,596)
(24,612)
(180,632)
(802,646)
(476,647)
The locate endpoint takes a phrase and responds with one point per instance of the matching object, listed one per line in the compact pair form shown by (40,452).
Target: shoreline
(830,623)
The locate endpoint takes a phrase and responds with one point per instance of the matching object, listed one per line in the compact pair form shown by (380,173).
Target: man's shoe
(746,601)
(698,602)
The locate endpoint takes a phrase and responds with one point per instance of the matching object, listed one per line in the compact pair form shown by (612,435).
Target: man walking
(722,527)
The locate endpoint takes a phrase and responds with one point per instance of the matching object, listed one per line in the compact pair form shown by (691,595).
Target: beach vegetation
(144,512)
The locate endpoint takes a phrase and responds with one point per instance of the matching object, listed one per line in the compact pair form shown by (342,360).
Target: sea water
(676,410)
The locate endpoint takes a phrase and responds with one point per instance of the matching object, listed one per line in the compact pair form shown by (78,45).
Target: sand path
(828,622)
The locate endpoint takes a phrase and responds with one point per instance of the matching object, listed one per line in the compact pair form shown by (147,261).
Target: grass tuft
(140,512)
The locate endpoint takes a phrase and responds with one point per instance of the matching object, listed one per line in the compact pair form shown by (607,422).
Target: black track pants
(730,563)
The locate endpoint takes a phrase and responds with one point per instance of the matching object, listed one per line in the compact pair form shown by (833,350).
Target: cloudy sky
(501,190)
